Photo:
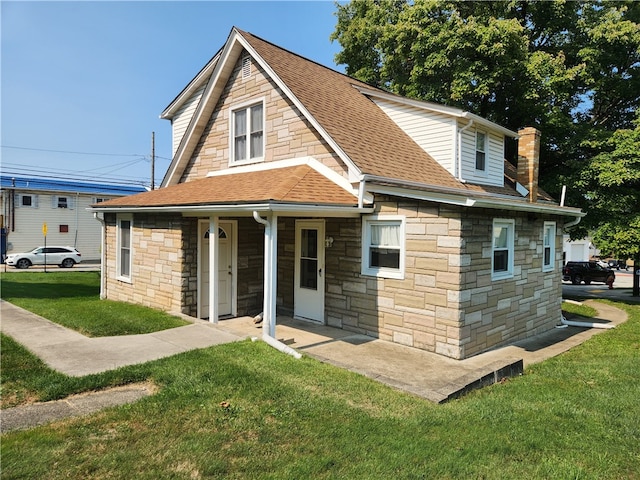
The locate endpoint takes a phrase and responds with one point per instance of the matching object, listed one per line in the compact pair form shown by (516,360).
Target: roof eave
(244,209)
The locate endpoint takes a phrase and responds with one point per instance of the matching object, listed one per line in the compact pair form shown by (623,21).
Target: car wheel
(587,282)
(23,263)
(67,263)
(576,280)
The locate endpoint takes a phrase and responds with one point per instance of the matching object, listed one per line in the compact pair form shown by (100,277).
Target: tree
(570,69)
(611,185)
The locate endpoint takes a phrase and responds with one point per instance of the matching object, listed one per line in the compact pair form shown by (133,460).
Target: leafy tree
(571,69)
(611,183)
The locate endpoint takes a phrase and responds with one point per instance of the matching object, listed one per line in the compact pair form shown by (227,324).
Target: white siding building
(26,204)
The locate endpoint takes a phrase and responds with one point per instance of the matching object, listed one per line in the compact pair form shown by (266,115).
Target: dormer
(469,147)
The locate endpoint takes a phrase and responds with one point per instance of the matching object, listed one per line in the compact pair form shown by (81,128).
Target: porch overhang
(296,187)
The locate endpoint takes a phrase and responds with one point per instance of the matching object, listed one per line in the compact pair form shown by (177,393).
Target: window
(28,201)
(124,248)
(248,134)
(61,202)
(64,228)
(503,241)
(383,247)
(549,246)
(481,149)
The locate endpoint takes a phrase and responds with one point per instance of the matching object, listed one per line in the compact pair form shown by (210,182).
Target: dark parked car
(618,264)
(587,272)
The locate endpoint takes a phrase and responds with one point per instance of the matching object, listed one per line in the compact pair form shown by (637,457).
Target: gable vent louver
(246,67)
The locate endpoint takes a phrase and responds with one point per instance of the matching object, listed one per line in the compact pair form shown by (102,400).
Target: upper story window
(502,249)
(247,134)
(481,151)
(58,201)
(383,247)
(26,200)
(549,246)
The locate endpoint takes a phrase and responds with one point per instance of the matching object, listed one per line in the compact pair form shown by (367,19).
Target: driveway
(622,289)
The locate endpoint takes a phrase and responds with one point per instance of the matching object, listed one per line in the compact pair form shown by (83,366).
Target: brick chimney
(529,160)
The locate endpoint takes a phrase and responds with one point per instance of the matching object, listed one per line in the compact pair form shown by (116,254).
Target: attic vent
(246,67)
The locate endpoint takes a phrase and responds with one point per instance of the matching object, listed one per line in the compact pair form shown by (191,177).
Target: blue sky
(88,78)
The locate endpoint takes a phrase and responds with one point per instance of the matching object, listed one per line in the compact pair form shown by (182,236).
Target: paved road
(622,289)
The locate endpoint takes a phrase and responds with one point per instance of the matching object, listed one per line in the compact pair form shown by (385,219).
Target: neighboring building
(578,250)
(341,204)
(27,203)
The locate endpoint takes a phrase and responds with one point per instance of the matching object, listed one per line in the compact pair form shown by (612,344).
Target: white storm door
(225,269)
(309,270)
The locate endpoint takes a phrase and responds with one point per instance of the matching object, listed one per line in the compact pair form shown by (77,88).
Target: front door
(309,270)
(225,269)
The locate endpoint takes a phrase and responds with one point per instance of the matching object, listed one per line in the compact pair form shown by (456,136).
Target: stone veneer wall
(497,312)
(288,134)
(447,302)
(161,270)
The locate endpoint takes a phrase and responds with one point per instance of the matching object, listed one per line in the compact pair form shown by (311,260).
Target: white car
(66,257)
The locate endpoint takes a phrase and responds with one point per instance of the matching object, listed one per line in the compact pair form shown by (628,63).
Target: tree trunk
(636,276)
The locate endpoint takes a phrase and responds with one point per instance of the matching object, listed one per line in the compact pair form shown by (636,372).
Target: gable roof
(366,139)
(341,109)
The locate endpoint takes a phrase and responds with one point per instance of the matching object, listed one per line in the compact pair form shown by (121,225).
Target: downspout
(103,293)
(459,152)
(361,190)
(572,323)
(270,275)
(266,326)
(75,240)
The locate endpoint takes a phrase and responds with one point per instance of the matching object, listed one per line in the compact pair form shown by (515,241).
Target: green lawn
(72,299)
(244,410)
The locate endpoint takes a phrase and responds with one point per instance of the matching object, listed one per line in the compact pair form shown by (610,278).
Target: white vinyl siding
(433,132)
(494,158)
(182,118)
(84,230)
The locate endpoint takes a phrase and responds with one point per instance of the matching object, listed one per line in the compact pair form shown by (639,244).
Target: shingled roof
(364,135)
(300,184)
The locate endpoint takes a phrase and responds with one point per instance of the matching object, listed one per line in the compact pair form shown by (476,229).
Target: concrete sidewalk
(425,374)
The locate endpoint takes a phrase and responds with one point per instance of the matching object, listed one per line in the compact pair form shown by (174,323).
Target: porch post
(274,275)
(213,269)
(270,275)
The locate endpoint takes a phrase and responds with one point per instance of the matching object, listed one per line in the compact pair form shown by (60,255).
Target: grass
(72,300)
(580,310)
(244,410)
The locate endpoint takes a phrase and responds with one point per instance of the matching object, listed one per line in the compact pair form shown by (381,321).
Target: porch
(425,374)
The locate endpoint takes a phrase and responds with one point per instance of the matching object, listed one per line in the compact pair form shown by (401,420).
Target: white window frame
(550,266)
(485,151)
(510,247)
(247,106)
(120,275)
(383,272)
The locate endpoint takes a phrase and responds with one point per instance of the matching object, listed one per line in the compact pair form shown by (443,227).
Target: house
(297,190)
(27,203)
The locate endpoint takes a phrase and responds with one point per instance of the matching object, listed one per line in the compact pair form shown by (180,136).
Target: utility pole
(153,160)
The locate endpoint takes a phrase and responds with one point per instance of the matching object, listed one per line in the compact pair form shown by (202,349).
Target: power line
(72,152)
(83,153)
